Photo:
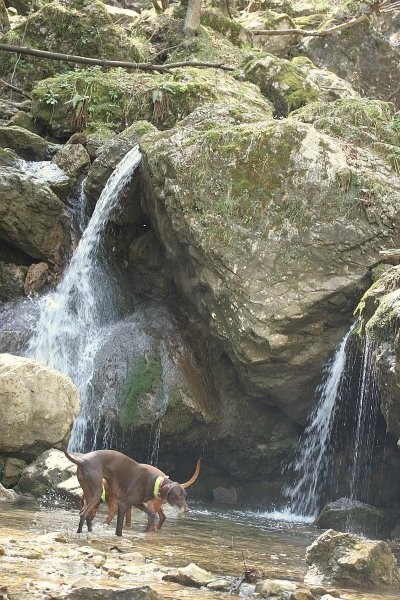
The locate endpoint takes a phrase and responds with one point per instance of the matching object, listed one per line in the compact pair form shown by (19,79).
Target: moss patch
(90,97)
(145,378)
(360,121)
(80,27)
(284,83)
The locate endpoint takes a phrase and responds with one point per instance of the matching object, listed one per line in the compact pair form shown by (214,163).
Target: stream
(37,563)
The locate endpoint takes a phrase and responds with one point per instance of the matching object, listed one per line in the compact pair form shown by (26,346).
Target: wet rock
(107,159)
(12,279)
(6,494)
(37,405)
(26,144)
(91,593)
(73,159)
(51,474)
(32,217)
(36,278)
(347,558)
(220,585)
(224,495)
(302,595)
(191,576)
(275,587)
(8,157)
(345,514)
(12,470)
(54,536)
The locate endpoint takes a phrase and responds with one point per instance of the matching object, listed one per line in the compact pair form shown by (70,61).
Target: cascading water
(312,463)
(69,328)
(367,412)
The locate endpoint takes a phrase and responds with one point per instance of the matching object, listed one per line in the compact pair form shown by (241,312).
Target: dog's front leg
(151,516)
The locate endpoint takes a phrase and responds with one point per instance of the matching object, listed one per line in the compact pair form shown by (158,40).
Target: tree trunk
(192,20)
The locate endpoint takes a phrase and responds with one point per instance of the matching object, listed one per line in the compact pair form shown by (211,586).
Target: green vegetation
(145,378)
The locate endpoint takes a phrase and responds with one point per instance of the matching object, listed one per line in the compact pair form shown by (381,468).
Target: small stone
(99,560)
(302,595)
(318,590)
(275,587)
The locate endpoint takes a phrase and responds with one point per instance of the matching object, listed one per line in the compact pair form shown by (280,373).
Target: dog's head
(174,494)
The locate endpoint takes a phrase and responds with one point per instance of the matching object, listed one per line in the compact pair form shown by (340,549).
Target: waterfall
(367,412)
(69,328)
(314,457)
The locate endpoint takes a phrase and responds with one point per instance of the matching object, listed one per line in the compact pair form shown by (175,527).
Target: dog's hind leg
(122,508)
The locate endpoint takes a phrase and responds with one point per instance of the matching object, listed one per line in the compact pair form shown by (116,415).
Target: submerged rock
(350,515)
(90,593)
(342,557)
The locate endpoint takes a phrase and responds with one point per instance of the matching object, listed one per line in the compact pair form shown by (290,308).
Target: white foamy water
(68,332)
(313,459)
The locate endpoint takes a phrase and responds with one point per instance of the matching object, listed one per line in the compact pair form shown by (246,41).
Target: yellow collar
(157,484)
(103,495)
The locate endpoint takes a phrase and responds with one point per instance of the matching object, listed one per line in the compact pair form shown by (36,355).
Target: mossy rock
(279,45)
(361,121)
(85,98)
(4,20)
(82,27)
(208,46)
(219,22)
(284,83)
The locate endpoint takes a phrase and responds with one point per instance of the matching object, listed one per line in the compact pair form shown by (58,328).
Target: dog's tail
(77,461)
(194,476)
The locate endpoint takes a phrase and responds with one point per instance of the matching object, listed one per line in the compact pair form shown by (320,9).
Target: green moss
(82,27)
(83,97)
(145,378)
(219,22)
(358,120)
(282,81)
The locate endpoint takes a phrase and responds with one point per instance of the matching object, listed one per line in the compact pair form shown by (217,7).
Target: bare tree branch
(110,63)
(15,89)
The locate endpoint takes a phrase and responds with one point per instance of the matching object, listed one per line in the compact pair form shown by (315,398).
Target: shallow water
(221,541)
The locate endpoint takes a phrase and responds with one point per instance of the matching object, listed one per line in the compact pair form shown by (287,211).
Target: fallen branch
(109,63)
(15,89)
(316,33)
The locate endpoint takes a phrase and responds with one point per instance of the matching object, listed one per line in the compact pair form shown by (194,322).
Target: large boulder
(28,145)
(32,217)
(37,406)
(341,557)
(362,56)
(270,240)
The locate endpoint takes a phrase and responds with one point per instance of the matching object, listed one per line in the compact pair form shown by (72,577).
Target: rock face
(379,311)
(343,557)
(37,406)
(270,240)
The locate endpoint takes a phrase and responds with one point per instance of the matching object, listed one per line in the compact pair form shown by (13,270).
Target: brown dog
(154,505)
(129,482)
